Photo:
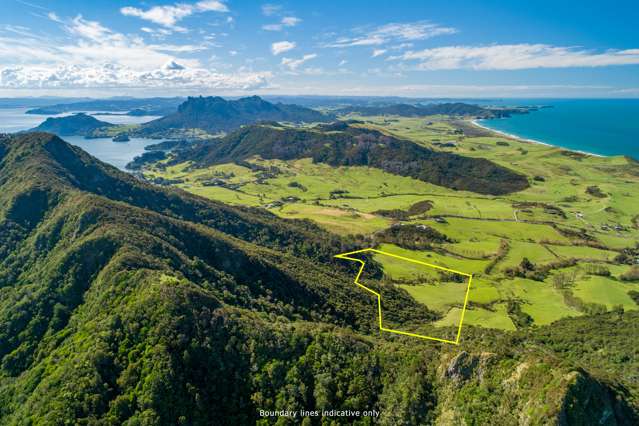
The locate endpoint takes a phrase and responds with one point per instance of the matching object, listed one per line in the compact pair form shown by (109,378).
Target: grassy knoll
(577,207)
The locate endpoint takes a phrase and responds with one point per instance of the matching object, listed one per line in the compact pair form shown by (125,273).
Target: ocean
(118,154)
(598,126)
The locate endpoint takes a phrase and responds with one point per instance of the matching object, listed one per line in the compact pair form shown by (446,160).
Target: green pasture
(343,200)
(540,300)
(479,317)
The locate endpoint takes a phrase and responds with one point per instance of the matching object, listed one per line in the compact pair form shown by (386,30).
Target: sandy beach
(512,136)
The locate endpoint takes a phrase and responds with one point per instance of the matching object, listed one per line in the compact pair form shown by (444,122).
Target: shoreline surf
(477,123)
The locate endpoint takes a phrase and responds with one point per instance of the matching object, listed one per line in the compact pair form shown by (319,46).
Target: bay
(118,154)
(598,126)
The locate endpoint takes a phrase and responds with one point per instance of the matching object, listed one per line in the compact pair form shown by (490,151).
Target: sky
(476,48)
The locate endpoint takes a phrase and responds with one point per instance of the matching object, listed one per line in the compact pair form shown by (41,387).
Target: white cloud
(290,21)
(294,64)
(272,27)
(157,32)
(287,21)
(176,48)
(211,5)
(282,46)
(90,42)
(271,9)
(632,91)
(172,75)
(342,63)
(516,57)
(172,65)
(53,17)
(378,52)
(91,30)
(393,32)
(95,56)
(351,87)
(169,15)
(401,46)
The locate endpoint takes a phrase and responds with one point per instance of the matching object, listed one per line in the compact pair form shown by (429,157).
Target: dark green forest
(77,124)
(341,144)
(123,303)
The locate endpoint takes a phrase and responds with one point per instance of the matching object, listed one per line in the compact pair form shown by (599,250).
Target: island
(121,137)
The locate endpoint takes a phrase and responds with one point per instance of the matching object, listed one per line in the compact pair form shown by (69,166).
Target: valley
(336,213)
(575,224)
(124,302)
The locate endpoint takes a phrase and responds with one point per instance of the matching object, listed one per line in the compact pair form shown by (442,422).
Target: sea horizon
(595,126)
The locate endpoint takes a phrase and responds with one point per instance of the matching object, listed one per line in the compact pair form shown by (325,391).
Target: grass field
(536,253)
(336,220)
(439,297)
(609,292)
(577,207)
(479,317)
(540,300)
(398,269)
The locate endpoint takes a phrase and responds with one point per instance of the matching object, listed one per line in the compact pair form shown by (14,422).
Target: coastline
(476,122)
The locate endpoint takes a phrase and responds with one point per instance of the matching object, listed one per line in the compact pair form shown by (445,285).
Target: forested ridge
(77,124)
(341,144)
(125,303)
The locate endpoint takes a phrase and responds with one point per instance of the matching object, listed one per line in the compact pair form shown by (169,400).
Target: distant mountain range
(199,117)
(73,125)
(206,114)
(33,102)
(129,106)
(447,108)
(340,144)
(406,110)
(215,114)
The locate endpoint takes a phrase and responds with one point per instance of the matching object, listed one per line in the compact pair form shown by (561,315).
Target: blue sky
(407,48)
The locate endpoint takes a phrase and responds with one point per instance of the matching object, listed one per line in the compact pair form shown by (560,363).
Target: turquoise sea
(598,126)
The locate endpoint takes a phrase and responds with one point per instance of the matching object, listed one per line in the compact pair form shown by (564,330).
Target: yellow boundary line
(379,296)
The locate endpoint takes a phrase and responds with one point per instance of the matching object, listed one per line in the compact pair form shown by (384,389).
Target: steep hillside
(123,303)
(340,144)
(73,125)
(215,114)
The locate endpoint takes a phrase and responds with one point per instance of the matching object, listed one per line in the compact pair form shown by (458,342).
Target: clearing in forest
(429,269)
